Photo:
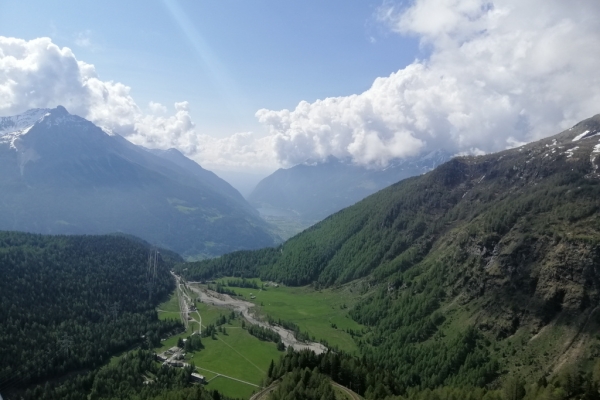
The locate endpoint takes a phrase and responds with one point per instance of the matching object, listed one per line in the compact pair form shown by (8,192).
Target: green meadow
(321,313)
(239,355)
(234,354)
(231,387)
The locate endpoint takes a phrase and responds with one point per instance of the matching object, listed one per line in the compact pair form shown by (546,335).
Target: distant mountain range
(61,174)
(311,191)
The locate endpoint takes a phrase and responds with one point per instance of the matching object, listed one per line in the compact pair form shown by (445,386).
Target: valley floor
(235,362)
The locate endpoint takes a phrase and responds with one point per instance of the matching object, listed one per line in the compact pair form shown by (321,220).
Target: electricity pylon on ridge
(151,272)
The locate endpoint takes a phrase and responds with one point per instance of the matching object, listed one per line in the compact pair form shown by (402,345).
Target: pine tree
(514,388)
(271,367)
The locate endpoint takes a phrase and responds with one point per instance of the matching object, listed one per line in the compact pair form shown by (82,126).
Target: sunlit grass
(231,388)
(236,354)
(315,312)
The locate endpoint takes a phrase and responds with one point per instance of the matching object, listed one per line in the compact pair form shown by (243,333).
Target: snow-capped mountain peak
(14,127)
(60,116)
(21,122)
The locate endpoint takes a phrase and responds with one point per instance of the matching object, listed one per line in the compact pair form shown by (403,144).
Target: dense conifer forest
(68,303)
(304,375)
(136,376)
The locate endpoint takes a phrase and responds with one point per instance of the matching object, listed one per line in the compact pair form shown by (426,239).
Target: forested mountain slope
(61,174)
(68,303)
(484,265)
(311,191)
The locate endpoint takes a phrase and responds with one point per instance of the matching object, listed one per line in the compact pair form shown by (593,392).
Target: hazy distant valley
(295,198)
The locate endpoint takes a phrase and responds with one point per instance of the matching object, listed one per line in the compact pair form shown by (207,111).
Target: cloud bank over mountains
(40,74)
(498,73)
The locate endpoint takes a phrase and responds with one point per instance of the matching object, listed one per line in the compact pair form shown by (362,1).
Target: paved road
(350,393)
(263,394)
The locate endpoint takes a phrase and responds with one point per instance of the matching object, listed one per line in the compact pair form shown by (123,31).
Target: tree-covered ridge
(460,269)
(299,375)
(520,203)
(304,384)
(68,303)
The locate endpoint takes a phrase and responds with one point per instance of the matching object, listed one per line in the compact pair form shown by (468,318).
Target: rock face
(61,174)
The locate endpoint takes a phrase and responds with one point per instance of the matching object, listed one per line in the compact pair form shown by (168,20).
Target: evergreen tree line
(242,283)
(220,288)
(363,377)
(135,376)
(304,384)
(69,303)
(359,374)
(265,334)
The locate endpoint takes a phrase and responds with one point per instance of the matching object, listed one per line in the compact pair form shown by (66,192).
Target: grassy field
(227,386)
(323,314)
(169,309)
(236,354)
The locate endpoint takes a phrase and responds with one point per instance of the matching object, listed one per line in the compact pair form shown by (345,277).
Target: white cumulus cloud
(40,74)
(500,72)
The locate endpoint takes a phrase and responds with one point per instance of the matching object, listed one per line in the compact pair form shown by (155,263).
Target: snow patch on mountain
(22,121)
(11,128)
(581,135)
(585,135)
(14,127)
(60,116)
(570,152)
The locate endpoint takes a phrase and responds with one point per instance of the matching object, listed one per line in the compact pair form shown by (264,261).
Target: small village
(174,357)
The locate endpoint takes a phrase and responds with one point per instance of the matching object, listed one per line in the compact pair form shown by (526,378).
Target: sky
(247,87)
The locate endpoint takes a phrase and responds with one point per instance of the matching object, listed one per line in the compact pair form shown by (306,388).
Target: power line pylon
(151,272)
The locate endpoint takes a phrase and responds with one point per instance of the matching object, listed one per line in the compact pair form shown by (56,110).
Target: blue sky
(228,59)
(251,86)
